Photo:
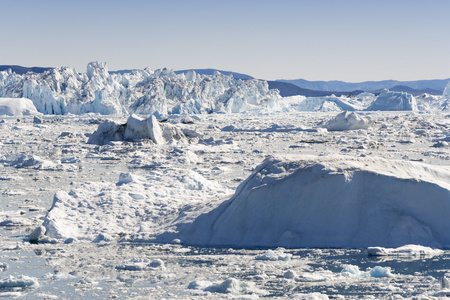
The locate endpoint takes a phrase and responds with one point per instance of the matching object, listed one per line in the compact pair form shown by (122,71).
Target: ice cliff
(161,92)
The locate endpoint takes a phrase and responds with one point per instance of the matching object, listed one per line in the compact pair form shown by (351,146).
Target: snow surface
(17,107)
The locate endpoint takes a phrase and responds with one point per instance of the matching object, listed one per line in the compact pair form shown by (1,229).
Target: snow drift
(388,100)
(161,92)
(17,107)
(331,202)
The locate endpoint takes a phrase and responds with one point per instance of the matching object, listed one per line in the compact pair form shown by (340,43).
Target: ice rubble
(17,107)
(388,100)
(331,202)
(136,205)
(161,92)
(228,286)
(135,129)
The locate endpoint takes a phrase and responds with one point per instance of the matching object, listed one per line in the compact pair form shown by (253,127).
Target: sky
(349,40)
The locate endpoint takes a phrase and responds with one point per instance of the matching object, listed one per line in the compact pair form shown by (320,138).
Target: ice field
(146,190)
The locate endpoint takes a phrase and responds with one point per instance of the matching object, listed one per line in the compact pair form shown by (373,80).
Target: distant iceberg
(388,100)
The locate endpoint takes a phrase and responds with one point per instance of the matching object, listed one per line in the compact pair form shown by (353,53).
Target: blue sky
(316,40)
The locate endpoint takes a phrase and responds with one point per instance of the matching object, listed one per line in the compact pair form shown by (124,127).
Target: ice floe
(407,250)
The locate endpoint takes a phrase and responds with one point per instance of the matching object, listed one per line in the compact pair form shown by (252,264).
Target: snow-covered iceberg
(161,92)
(347,121)
(331,202)
(17,107)
(388,100)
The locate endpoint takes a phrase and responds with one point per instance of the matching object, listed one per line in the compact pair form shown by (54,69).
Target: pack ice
(331,202)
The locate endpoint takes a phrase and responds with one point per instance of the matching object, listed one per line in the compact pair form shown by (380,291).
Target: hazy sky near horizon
(350,40)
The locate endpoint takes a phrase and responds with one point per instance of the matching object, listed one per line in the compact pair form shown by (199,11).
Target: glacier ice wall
(161,92)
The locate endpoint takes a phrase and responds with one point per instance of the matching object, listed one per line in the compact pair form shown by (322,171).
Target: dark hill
(22,70)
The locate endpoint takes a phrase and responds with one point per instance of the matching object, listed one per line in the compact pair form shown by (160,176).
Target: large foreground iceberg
(331,202)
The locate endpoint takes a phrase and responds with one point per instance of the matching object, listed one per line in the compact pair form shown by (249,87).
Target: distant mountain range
(421,86)
(304,87)
(22,70)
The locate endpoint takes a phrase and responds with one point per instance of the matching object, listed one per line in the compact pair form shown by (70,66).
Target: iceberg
(388,100)
(135,129)
(347,121)
(17,107)
(331,201)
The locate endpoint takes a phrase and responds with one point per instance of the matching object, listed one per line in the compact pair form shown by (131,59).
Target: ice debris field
(152,185)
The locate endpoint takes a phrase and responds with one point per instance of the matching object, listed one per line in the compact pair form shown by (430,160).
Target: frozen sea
(38,160)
